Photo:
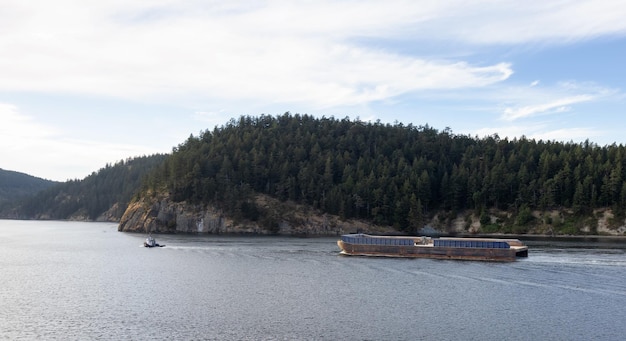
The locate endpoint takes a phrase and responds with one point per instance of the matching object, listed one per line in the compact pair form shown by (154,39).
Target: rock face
(161,215)
(165,216)
(113,214)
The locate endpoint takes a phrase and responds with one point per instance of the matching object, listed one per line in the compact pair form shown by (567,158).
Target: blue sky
(83,84)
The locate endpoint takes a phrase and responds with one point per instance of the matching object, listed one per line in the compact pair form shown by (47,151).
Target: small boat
(151,242)
(488,249)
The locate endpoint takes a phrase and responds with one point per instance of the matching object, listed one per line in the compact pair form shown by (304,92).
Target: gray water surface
(84,281)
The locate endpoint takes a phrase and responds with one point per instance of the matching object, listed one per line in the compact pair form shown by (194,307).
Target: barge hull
(413,251)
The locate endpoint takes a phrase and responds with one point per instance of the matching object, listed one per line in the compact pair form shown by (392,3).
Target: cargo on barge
(425,247)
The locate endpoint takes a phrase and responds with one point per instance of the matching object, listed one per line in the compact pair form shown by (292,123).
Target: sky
(88,83)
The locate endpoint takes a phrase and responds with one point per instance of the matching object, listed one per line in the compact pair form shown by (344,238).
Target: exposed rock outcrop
(113,214)
(159,214)
(162,215)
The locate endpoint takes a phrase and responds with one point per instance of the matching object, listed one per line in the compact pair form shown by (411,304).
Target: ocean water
(86,281)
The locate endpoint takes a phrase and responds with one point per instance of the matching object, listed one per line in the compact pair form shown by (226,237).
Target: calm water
(82,281)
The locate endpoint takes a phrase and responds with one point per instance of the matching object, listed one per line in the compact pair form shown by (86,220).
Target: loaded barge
(488,249)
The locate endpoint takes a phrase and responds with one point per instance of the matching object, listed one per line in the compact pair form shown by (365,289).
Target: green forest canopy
(388,174)
(15,185)
(90,197)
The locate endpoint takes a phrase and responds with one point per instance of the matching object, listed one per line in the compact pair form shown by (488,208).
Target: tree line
(15,185)
(112,185)
(390,174)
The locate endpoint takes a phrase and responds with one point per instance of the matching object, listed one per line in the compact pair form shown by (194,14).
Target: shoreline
(548,236)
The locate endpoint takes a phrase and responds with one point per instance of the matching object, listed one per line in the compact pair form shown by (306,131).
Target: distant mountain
(16,185)
(102,196)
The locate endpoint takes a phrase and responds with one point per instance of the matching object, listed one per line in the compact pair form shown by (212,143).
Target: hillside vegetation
(103,195)
(394,175)
(15,185)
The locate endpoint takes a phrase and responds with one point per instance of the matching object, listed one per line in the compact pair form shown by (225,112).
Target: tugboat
(151,242)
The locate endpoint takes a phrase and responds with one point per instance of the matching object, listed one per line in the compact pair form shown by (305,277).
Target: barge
(487,249)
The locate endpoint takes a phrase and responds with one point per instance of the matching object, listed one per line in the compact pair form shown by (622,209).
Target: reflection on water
(64,280)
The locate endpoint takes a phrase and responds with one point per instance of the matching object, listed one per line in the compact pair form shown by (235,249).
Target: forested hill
(15,185)
(398,175)
(103,195)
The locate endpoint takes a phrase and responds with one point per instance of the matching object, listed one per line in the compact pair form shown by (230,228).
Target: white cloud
(514,22)
(576,134)
(213,118)
(41,150)
(528,102)
(17,127)
(541,131)
(273,52)
(555,106)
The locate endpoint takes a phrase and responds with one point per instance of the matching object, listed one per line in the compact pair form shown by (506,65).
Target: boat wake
(582,257)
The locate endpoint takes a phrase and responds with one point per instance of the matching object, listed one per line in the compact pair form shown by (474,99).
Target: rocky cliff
(162,215)
(159,214)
